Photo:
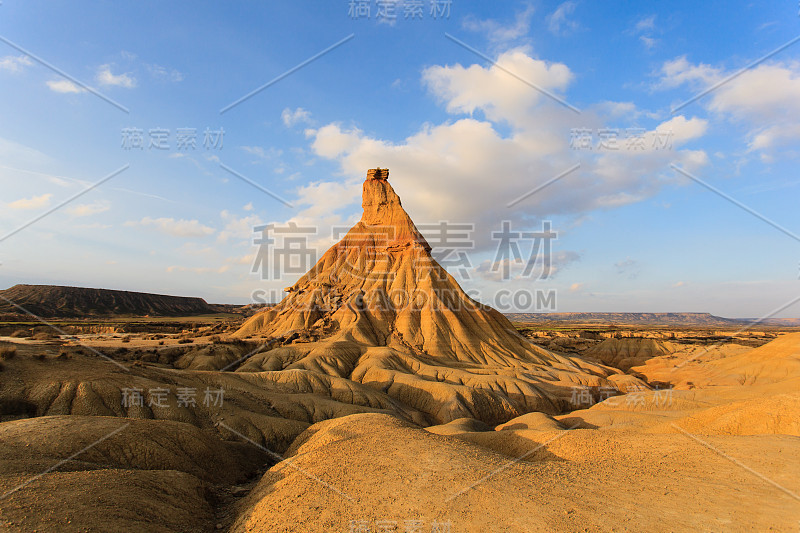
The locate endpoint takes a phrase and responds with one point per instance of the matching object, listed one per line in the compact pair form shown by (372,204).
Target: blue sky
(463,138)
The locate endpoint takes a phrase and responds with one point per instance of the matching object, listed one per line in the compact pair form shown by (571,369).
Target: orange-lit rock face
(384,215)
(381,311)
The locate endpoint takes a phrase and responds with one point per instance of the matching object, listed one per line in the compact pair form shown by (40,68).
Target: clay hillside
(380,311)
(58,301)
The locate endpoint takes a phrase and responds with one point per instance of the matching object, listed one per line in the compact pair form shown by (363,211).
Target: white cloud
(678,71)
(331,141)
(471,169)
(248,207)
(85,210)
(106,77)
(238,229)
(298,116)
(764,97)
(493,90)
(15,63)
(35,202)
(64,86)
(644,28)
(499,33)
(684,130)
(171,226)
(558,22)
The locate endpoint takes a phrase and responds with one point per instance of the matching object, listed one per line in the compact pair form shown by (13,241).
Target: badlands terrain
(377,396)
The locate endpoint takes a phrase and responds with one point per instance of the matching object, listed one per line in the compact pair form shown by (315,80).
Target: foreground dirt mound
(752,393)
(566,481)
(382,312)
(704,459)
(76,473)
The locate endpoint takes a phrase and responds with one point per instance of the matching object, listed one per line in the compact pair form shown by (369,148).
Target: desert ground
(346,408)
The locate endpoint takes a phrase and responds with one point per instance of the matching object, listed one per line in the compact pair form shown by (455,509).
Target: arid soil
(349,408)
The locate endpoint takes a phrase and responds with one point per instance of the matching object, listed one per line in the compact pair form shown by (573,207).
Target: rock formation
(389,316)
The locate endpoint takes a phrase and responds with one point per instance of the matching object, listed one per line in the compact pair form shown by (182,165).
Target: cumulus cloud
(64,86)
(35,202)
(106,77)
(492,90)
(763,97)
(504,141)
(682,129)
(176,228)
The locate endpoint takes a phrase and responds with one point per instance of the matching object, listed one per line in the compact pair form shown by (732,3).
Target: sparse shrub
(40,356)
(43,336)
(63,355)
(216,339)
(161,343)
(20,334)
(126,338)
(7,351)
(121,351)
(185,341)
(2,367)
